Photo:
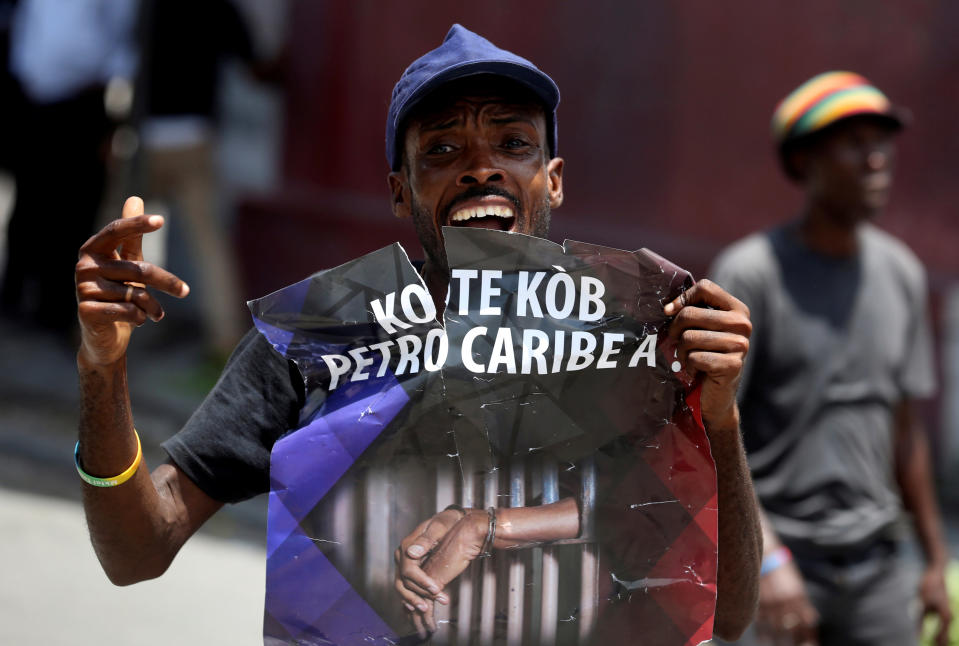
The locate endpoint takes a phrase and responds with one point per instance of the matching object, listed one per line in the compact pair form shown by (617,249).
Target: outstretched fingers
(114,285)
(104,284)
(97,314)
(144,274)
(132,247)
(108,293)
(124,231)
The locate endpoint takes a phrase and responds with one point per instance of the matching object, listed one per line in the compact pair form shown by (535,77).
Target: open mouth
(491,216)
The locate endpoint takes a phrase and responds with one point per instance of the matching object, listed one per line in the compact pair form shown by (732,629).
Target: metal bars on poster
(532,580)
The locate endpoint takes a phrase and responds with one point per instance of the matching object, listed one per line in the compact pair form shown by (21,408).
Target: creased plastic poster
(551,400)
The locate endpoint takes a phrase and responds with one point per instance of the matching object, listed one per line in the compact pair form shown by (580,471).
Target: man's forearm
(914,476)
(136,527)
(131,525)
(740,537)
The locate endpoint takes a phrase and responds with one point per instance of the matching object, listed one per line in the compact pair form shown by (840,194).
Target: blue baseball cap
(464,53)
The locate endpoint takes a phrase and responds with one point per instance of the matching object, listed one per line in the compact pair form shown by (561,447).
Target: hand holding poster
(532,472)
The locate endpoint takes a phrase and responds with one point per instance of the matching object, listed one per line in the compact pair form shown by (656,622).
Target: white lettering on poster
(555,295)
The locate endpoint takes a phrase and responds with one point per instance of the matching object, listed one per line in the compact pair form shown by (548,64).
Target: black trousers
(59,165)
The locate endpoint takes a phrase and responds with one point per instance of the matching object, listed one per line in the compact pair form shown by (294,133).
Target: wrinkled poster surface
(552,392)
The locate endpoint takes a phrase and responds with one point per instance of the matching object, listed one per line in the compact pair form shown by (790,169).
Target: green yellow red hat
(827,98)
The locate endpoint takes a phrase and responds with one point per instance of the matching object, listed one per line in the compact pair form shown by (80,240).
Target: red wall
(663,120)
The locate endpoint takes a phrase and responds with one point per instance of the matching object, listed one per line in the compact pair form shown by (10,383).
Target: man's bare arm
(136,527)
(914,476)
(711,330)
(786,614)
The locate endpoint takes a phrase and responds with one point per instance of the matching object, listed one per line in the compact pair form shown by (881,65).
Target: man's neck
(825,233)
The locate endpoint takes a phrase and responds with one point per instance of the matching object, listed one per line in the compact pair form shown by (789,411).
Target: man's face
(848,172)
(475,155)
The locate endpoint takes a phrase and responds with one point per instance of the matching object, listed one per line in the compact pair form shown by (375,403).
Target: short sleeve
(225,446)
(917,378)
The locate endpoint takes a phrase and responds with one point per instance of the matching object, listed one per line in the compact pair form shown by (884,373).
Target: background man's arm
(136,527)
(711,329)
(914,476)
(785,612)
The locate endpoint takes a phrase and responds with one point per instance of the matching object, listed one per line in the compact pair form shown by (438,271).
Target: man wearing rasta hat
(471,141)
(840,350)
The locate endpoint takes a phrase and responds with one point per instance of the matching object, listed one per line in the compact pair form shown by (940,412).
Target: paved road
(52,590)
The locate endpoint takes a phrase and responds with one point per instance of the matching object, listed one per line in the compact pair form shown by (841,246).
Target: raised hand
(711,330)
(112,282)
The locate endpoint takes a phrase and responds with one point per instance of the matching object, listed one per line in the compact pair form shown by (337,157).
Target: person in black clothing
(62,57)
(186,45)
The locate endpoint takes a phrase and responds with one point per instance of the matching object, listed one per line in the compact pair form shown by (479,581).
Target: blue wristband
(775,559)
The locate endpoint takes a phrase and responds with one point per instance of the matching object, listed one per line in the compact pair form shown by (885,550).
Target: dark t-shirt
(225,446)
(257,399)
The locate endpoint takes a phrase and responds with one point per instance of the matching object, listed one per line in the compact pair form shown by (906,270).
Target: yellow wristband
(116,480)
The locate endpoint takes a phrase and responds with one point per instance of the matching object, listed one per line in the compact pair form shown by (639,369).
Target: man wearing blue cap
(841,349)
(471,141)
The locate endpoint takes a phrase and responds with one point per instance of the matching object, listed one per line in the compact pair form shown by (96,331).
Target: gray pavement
(53,590)
(55,593)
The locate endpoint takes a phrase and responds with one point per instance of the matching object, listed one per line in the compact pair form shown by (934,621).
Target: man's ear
(400,193)
(554,173)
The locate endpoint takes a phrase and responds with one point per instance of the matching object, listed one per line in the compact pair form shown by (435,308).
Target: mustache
(480,191)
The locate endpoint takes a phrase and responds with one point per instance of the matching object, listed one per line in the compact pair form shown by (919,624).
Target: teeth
(482,212)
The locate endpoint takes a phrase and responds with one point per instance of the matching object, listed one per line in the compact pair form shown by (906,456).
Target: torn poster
(544,439)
